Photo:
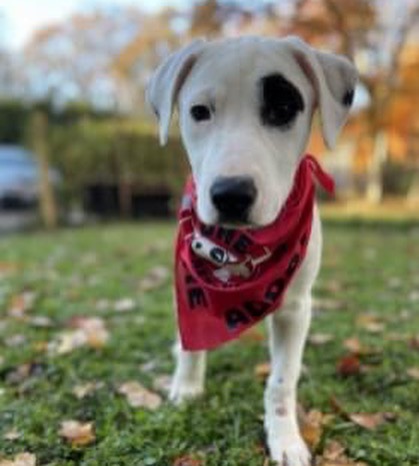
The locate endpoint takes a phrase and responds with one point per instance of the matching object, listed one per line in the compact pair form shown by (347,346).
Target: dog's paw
(289,451)
(181,391)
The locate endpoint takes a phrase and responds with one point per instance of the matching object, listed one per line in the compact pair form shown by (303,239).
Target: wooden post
(48,206)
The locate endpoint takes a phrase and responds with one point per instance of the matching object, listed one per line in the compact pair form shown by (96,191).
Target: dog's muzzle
(233,197)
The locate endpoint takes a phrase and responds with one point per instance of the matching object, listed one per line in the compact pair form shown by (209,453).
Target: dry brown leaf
(155,278)
(162,383)
(22,459)
(139,397)
(262,370)
(89,331)
(334,455)
(21,303)
(413,372)
(371,421)
(20,373)
(77,433)
(356,347)
(370,322)
(348,365)
(188,461)
(319,339)
(353,345)
(334,450)
(312,425)
(81,391)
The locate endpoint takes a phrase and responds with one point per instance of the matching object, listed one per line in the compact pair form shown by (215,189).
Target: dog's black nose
(233,197)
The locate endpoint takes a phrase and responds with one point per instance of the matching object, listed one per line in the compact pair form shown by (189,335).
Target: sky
(23,17)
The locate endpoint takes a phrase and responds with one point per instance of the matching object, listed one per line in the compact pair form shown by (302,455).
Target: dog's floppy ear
(164,85)
(333,78)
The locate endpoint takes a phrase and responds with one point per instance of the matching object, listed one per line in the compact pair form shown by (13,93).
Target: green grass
(365,270)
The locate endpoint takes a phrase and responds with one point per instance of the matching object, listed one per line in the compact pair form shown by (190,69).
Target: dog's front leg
(288,331)
(188,379)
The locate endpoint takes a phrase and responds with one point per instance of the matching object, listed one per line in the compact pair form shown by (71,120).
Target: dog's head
(245,110)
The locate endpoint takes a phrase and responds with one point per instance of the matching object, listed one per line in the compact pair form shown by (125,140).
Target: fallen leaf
(349,365)
(40,321)
(162,383)
(187,461)
(22,459)
(355,346)
(77,433)
(262,370)
(334,455)
(12,435)
(81,391)
(333,450)
(24,371)
(326,304)
(124,305)
(312,425)
(318,339)
(21,303)
(413,372)
(139,397)
(370,323)
(89,331)
(155,278)
(371,421)
(394,282)
(102,305)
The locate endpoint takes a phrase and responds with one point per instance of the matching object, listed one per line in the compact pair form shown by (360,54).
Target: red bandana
(228,280)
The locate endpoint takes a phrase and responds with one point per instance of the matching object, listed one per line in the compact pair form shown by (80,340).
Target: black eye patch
(281,101)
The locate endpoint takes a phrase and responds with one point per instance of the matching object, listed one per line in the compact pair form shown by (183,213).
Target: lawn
(367,303)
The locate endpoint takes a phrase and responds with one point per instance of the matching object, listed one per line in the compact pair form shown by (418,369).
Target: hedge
(117,150)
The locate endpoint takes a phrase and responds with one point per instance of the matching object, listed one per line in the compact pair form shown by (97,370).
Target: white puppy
(245,111)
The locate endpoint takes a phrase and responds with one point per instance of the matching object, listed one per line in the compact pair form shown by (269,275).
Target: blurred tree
(374,34)
(133,65)
(72,60)
(206,18)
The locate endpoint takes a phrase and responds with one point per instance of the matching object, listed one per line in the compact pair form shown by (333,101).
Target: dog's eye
(200,112)
(281,101)
(280,115)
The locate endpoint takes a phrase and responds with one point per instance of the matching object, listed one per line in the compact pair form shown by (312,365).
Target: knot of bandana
(227,280)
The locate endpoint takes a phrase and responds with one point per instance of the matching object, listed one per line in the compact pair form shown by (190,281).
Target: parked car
(19,178)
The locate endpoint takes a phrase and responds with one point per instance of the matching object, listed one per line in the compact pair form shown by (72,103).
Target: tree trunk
(48,206)
(412,197)
(374,193)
